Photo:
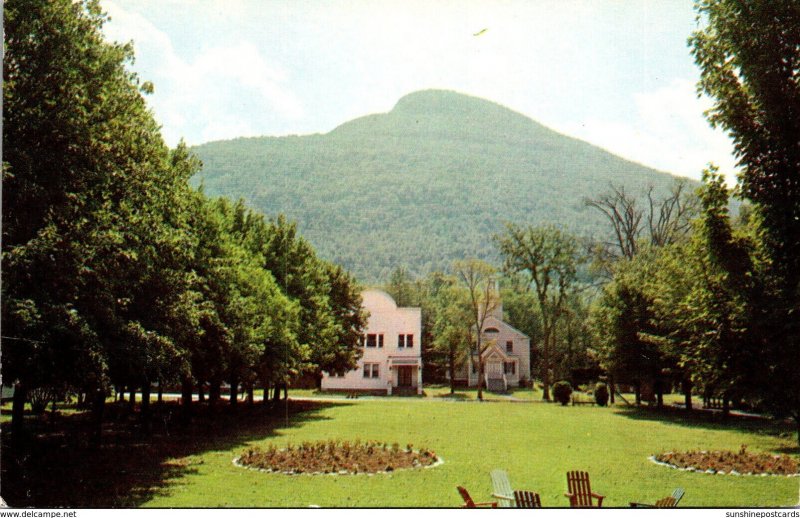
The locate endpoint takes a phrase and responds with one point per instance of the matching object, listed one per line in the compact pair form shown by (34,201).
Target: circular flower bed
(341,457)
(741,462)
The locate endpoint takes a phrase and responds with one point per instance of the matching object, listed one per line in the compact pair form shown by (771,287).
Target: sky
(617,74)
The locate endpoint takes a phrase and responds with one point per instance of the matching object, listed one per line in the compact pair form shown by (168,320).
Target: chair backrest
(527,499)
(677,495)
(578,485)
(667,501)
(502,487)
(468,501)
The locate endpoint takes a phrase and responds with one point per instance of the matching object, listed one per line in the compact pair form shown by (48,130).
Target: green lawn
(536,443)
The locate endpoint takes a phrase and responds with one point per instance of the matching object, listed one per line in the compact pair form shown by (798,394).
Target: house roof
(496,322)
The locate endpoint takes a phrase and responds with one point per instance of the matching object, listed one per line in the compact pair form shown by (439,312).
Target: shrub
(601,394)
(562,390)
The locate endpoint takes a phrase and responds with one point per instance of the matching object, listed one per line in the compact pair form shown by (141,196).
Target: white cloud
(212,95)
(668,132)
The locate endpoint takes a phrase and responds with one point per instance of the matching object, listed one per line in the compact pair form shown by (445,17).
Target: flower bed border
(237,463)
(653,459)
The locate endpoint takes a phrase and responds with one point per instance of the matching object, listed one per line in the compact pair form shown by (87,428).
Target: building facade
(391,362)
(507,361)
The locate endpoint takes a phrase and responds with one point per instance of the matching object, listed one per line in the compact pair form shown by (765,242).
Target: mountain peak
(442,101)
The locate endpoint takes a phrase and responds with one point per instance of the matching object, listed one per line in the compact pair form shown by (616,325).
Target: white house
(506,362)
(392,350)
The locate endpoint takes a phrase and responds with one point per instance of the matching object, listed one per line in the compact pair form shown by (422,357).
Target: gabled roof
(496,322)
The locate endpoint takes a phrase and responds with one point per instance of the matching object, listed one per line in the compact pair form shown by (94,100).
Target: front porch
(405,375)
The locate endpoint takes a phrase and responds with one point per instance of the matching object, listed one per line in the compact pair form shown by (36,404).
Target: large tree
(94,241)
(478,279)
(636,222)
(450,337)
(748,53)
(549,258)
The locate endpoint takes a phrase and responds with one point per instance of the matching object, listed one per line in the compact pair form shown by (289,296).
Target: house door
(494,370)
(404,376)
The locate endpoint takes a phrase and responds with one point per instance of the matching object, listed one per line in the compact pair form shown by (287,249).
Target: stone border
(653,459)
(439,462)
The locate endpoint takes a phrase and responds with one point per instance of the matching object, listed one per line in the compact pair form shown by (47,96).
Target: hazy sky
(617,74)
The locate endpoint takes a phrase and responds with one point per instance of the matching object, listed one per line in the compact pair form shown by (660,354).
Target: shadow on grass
(715,421)
(457,396)
(56,467)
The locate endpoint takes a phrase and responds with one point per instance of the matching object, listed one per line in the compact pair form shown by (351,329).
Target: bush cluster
(562,390)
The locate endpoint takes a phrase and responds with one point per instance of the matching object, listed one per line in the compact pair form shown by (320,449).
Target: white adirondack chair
(502,488)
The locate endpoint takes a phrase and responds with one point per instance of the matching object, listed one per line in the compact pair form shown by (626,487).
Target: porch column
(419,379)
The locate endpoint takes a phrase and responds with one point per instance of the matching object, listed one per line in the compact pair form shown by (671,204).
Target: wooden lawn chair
(527,499)
(469,503)
(502,488)
(668,501)
(580,491)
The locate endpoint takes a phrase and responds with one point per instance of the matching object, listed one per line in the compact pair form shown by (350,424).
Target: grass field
(535,443)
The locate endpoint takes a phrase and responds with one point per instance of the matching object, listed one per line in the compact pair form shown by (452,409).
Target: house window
(405,341)
(509,346)
(372,370)
(371,340)
(380,340)
(510,368)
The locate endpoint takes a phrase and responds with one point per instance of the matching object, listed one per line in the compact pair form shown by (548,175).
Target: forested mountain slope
(427,183)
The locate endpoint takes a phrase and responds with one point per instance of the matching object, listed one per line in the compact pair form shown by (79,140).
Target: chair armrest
(486,504)
(599,499)
(503,497)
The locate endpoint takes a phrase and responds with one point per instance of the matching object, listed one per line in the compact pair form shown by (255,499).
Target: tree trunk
(186,400)
(451,363)
(726,406)
(132,399)
(265,394)
(612,389)
(98,408)
(18,410)
(214,391)
(250,395)
(234,395)
(276,394)
(638,388)
(687,394)
(160,392)
(546,381)
(145,413)
(201,392)
(480,377)
(285,391)
(659,394)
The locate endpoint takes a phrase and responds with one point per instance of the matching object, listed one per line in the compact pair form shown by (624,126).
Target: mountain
(425,184)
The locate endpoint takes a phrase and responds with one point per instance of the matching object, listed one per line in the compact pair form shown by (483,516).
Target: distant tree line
(116,273)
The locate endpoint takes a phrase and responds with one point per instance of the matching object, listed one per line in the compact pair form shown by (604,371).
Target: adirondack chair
(502,488)
(469,503)
(580,491)
(527,499)
(669,501)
